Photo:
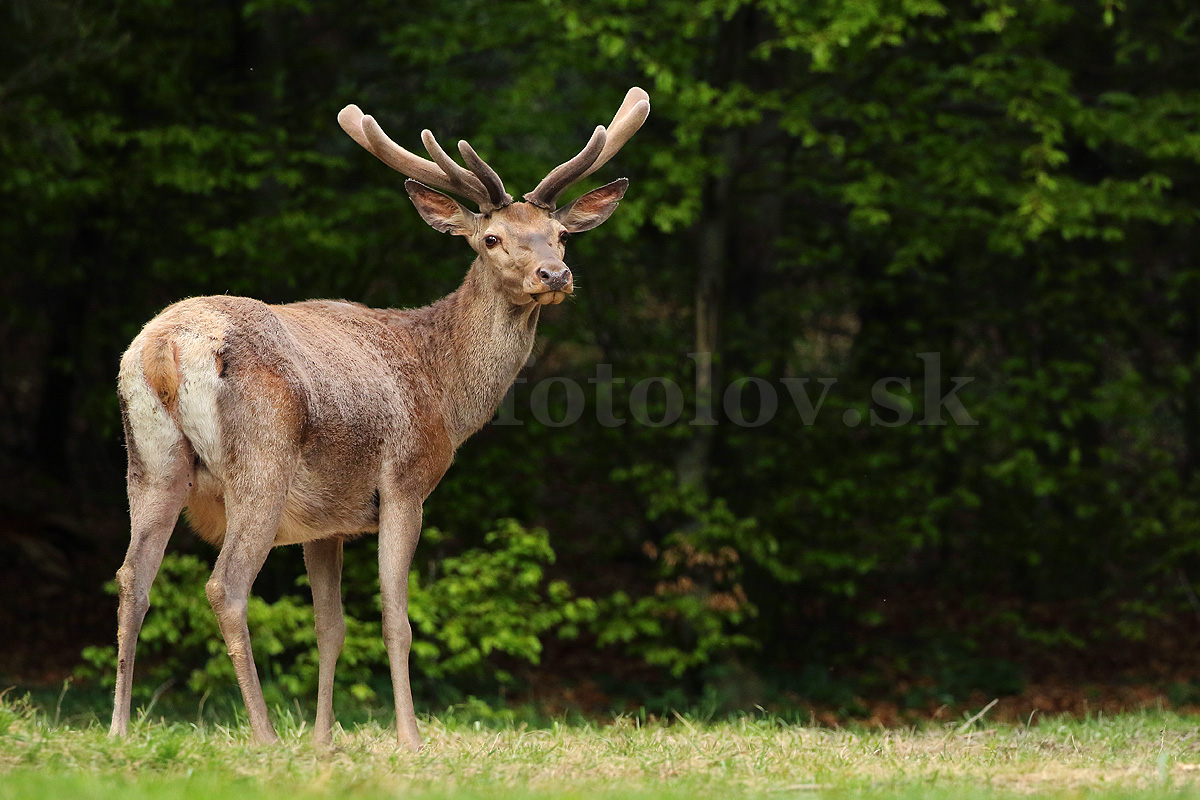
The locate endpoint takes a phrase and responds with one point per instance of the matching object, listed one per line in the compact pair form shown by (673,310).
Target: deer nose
(555,278)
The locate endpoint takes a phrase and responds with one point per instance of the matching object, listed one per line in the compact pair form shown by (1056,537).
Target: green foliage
(481,604)
(491,601)
(698,604)
(180,638)
(828,189)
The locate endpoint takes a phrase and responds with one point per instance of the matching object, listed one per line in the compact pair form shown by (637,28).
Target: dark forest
(881,386)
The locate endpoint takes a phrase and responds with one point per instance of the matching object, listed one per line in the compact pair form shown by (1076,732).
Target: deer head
(523,244)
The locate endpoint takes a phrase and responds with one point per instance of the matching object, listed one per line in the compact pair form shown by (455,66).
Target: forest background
(954,242)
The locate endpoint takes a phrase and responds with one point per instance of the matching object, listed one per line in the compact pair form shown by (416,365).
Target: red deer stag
(311,422)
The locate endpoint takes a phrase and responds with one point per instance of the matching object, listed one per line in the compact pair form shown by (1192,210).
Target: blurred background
(823,190)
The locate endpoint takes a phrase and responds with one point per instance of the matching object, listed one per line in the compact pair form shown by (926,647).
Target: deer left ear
(586,212)
(444,214)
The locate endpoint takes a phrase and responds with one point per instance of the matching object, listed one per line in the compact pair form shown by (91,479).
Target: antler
(480,184)
(603,145)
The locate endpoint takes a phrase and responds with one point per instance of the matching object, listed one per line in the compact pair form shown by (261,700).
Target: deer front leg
(154,506)
(323,559)
(399,530)
(252,522)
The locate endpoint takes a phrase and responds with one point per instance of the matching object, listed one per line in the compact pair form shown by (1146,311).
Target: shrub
(480,604)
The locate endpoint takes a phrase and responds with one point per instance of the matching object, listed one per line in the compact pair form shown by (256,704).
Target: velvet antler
(604,144)
(479,184)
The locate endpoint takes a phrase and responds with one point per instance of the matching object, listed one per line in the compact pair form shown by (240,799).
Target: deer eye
(491,240)
(562,237)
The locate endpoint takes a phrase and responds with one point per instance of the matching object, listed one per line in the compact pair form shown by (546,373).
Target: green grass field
(1150,754)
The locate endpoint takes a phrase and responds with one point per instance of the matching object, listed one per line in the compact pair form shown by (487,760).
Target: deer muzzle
(555,278)
(555,283)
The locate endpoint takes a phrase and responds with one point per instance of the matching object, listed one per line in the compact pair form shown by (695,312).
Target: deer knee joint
(214,590)
(125,581)
(229,610)
(397,632)
(127,591)
(332,630)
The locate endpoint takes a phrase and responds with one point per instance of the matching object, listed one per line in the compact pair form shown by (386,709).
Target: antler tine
(625,123)
(350,118)
(354,123)
(402,160)
(488,176)
(568,172)
(465,181)
(628,119)
(366,131)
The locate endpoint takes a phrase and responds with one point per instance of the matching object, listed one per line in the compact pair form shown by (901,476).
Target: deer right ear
(585,213)
(443,213)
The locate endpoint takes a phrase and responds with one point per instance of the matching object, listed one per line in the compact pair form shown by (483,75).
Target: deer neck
(487,341)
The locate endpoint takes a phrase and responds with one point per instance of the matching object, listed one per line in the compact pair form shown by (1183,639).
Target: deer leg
(252,521)
(154,506)
(399,530)
(323,559)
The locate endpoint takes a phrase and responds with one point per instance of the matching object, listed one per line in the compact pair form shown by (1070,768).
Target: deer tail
(160,365)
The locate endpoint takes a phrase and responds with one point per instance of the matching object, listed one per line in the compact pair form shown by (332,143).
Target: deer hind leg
(323,559)
(154,508)
(252,519)
(159,476)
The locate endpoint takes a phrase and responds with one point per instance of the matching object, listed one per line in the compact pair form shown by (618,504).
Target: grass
(1137,755)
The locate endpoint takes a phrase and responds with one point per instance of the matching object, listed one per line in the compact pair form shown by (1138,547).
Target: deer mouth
(550,298)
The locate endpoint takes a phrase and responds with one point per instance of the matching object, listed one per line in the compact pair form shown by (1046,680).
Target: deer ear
(443,213)
(587,212)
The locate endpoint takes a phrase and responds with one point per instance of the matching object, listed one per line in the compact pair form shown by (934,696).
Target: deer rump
(243,389)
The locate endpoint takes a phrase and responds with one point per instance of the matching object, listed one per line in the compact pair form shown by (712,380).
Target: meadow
(1133,755)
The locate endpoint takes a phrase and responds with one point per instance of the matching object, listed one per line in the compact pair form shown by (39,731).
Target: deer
(314,422)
